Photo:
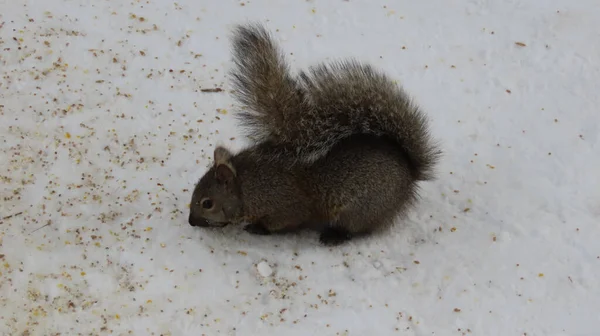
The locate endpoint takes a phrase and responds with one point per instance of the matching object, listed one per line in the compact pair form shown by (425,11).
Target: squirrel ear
(224,172)
(222,155)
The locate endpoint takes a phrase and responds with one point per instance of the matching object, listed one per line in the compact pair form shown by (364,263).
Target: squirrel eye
(207,204)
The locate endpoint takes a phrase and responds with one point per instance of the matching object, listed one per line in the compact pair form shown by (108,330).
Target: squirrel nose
(193,221)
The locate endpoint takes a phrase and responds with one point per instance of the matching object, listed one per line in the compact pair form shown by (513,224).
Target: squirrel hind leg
(334,235)
(346,227)
(355,222)
(257,229)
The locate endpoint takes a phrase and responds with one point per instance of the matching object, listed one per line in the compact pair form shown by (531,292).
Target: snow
(104,131)
(264,269)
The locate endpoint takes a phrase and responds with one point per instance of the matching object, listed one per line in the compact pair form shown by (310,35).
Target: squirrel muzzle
(194,221)
(203,222)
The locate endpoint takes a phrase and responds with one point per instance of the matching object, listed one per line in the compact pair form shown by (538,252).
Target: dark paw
(257,229)
(333,236)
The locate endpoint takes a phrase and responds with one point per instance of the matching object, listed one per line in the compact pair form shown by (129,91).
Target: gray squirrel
(339,148)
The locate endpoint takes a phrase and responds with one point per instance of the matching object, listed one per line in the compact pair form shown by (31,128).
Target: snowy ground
(104,131)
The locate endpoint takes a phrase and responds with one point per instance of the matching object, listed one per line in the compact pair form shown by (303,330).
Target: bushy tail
(263,84)
(307,115)
(348,98)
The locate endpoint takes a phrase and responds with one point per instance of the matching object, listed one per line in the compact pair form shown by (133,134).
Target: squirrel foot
(257,229)
(334,236)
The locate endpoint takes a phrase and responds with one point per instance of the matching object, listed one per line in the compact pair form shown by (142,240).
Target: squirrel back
(306,115)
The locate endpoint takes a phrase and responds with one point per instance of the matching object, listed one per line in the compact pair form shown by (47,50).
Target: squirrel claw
(256,229)
(334,236)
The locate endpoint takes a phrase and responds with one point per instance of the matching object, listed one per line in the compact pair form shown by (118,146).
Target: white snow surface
(104,131)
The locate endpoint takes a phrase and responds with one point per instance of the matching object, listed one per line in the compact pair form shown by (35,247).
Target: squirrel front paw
(257,229)
(334,236)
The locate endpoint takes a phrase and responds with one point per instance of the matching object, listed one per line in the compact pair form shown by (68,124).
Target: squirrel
(338,148)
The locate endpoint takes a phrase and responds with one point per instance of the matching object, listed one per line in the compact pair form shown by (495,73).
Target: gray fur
(308,114)
(339,148)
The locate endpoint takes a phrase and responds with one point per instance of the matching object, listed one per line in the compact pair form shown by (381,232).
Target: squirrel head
(216,199)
